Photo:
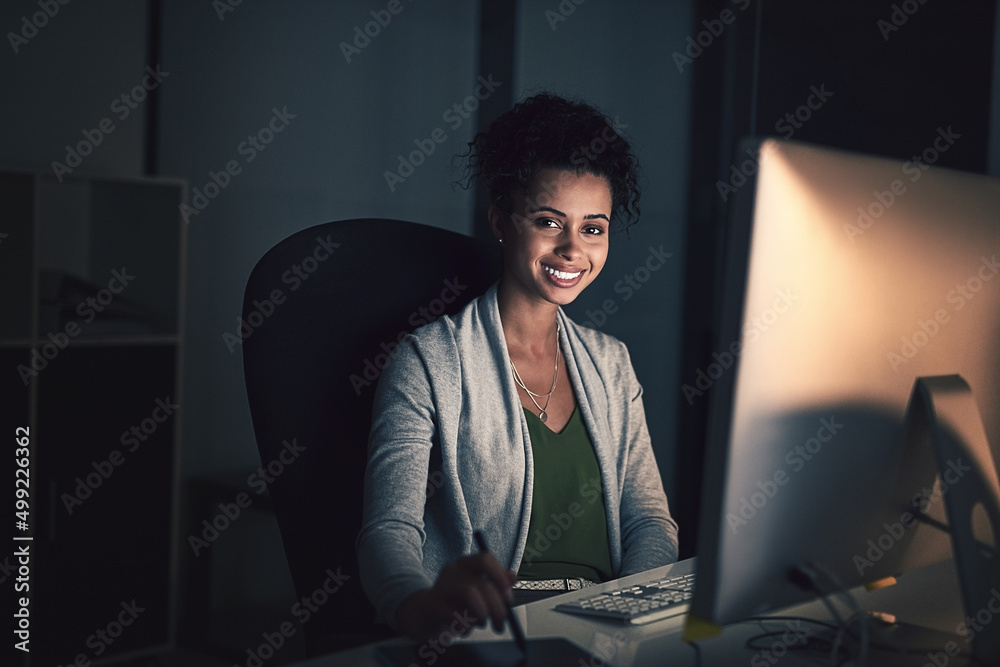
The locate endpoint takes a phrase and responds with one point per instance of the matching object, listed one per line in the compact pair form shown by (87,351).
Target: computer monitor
(848,277)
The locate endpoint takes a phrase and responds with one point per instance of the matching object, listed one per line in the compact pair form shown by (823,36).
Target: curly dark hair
(548,131)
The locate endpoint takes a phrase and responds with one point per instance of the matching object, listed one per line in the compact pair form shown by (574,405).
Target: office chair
(323,309)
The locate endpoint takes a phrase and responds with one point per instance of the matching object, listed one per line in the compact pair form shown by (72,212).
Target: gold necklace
(542,414)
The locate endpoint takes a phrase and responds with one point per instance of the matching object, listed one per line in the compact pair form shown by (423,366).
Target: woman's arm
(390,543)
(648,533)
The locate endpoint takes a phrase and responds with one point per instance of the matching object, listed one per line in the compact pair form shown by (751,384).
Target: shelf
(93,274)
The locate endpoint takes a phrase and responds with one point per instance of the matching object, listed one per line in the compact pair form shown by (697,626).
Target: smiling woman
(531,426)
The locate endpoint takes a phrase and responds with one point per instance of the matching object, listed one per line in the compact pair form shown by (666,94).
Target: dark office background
(893,73)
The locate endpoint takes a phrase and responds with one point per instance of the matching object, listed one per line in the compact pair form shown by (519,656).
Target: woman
(531,426)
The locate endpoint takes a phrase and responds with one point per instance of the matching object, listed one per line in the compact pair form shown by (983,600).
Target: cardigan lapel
(592,399)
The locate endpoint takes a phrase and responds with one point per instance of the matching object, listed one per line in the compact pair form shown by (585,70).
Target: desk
(927,597)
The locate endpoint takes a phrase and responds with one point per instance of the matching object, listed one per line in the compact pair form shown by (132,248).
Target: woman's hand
(473,587)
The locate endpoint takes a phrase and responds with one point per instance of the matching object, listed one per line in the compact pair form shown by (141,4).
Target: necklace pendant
(543,416)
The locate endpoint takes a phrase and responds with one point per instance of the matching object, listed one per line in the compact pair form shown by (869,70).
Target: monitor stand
(943,411)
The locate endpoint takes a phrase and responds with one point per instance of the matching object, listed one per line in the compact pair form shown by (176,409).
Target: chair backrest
(323,310)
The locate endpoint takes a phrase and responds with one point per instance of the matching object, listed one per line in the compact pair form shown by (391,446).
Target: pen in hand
(515,628)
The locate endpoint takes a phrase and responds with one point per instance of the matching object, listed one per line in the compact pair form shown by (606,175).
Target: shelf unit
(92,270)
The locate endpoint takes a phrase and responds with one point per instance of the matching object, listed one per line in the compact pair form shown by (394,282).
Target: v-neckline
(555,433)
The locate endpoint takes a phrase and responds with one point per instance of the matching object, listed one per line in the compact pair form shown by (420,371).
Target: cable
(821,644)
(840,591)
(807,577)
(697,653)
(806,641)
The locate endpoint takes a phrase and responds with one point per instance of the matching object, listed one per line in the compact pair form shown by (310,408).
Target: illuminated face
(556,239)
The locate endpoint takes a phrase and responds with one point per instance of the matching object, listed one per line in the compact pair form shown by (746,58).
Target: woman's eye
(548,223)
(594,229)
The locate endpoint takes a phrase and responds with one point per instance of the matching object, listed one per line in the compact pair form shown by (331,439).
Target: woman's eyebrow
(539,209)
(590,216)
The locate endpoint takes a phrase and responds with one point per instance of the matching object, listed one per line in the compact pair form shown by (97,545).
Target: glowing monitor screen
(847,278)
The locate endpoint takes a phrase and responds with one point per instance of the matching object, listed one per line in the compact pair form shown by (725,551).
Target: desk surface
(928,597)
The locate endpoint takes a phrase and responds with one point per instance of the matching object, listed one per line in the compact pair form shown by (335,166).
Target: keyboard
(639,604)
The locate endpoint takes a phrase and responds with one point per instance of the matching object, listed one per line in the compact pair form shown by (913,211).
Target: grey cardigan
(449,453)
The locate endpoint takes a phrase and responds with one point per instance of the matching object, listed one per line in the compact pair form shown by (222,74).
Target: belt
(554,584)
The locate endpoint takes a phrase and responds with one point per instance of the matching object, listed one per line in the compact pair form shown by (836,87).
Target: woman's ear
(498,221)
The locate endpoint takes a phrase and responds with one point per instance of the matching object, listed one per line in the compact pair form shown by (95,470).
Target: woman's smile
(563,278)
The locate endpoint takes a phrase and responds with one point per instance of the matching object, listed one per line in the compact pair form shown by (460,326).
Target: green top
(568,532)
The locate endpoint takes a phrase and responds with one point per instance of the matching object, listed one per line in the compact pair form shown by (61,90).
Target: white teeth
(562,275)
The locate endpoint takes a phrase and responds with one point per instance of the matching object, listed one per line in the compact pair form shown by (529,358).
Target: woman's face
(556,239)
